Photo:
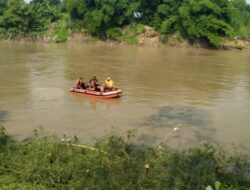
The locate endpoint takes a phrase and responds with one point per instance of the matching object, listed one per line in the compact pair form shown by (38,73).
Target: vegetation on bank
(55,20)
(116,163)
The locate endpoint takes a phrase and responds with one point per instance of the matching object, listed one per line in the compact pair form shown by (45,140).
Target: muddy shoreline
(147,39)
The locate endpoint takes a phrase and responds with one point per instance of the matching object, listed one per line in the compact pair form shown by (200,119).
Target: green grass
(45,162)
(130,33)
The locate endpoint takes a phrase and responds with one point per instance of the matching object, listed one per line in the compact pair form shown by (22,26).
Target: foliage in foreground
(115,163)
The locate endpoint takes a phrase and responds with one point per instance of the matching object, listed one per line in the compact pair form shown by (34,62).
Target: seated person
(94,84)
(109,84)
(94,80)
(80,84)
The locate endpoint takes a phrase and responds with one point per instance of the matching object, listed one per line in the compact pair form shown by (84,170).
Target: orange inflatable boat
(107,94)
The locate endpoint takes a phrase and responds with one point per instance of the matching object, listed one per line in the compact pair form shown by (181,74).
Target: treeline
(209,20)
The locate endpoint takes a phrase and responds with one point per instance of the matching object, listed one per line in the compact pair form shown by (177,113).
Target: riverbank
(137,36)
(114,162)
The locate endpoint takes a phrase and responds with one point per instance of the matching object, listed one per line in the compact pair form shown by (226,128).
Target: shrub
(61,30)
(113,163)
(114,33)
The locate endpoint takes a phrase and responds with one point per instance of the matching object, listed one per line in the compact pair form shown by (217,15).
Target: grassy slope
(46,163)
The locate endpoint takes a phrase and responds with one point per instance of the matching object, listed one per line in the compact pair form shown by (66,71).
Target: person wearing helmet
(109,83)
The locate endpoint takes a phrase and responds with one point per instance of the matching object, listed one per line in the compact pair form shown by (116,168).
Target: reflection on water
(192,124)
(3,116)
(169,116)
(205,93)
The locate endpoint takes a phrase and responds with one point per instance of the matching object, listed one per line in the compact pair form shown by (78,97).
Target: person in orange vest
(109,83)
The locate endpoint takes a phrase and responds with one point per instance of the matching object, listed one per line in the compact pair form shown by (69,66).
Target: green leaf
(209,188)
(217,185)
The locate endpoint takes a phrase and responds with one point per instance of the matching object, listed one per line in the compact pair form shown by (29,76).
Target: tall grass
(115,163)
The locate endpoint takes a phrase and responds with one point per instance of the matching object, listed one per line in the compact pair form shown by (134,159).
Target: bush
(114,163)
(139,29)
(4,138)
(61,30)
(131,40)
(61,36)
(114,33)
(2,33)
(131,32)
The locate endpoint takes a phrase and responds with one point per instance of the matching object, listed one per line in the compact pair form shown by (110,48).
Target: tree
(98,16)
(193,19)
(3,5)
(43,13)
(167,18)
(241,21)
(50,2)
(16,17)
(206,19)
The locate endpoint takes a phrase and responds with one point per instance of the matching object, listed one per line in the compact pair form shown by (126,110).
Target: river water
(203,93)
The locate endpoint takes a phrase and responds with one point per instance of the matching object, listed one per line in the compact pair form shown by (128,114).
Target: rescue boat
(106,94)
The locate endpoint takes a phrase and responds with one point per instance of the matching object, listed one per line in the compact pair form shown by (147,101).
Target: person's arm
(77,83)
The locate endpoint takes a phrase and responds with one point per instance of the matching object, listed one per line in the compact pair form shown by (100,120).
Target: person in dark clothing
(94,83)
(93,79)
(80,84)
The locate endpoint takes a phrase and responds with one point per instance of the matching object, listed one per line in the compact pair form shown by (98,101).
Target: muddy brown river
(203,93)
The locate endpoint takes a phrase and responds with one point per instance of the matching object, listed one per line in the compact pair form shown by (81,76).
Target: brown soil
(236,44)
(149,38)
